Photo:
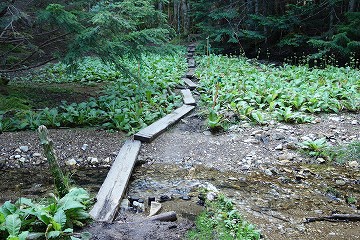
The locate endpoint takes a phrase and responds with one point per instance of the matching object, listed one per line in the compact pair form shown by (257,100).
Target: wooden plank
(190,83)
(152,131)
(191,63)
(191,49)
(188,97)
(190,74)
(114,186)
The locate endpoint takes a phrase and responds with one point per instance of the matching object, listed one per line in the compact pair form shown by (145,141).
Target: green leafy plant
(55,219)
(259,92)
(126,104)
(213,121)
(316,147)
(221,220)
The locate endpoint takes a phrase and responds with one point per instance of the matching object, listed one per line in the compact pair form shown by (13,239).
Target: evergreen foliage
(280,28)
(71,30)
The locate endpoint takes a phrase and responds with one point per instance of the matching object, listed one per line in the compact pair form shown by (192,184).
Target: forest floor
(271,183)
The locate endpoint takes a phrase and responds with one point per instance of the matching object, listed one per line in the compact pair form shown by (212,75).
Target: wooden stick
(335,217)
(58,175)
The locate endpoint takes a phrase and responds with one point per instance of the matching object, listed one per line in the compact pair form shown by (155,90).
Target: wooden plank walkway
(114,186)
(152,131)
(191,49)
(190,83)
(190,74)
(191,63)
(188,97)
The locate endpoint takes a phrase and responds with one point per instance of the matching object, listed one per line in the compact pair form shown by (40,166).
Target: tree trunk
(160,6)
(184,8)
(352,4)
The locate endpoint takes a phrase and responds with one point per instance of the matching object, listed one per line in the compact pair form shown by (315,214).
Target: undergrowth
(222,221)
(259,93)
(340,154)
(130,102)
(51,219)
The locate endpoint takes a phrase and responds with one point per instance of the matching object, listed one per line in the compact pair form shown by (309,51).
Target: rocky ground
(259,167)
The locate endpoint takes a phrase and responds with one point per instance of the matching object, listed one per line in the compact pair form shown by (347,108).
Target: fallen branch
(271,215)
(27,68)
(334,218)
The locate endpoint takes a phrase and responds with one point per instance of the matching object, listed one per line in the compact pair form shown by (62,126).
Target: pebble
(17,156)
(22,159)
(354,122)
(268,172)
(17,150)
(94,160)
(286,156)
(24,148)
(353,164)
(36,154)
(107,160)
(290,145)
(84,147)
(186,197)
(207,133)
(279,147)
(211,196)
(71,162)
(340,182)
(251,140)
(320,160)
(305,138)
(318,211)
(164,198)
(256,132)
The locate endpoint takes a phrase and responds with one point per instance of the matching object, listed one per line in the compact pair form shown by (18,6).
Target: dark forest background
(33,33)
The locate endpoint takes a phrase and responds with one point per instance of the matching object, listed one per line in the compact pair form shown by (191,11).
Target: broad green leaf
(60,218)
(68,230)
(53,234)
(13,224)
(11,237)
(2,218)
(23,235)
(8,208)
(24,201)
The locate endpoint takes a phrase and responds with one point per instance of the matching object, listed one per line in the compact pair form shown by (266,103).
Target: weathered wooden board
(190,55)
(113,188)
(152,131)
(188,97)
(191,49)
(190,83)
(190,74)
(191,63)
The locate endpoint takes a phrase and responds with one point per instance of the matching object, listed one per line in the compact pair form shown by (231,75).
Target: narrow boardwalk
(112,190)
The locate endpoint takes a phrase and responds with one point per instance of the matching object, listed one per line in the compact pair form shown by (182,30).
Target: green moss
(13,103)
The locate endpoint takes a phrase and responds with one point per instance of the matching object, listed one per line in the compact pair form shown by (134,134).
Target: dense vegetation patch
(132,101)
(235,88)
(53,219)
(222,221)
